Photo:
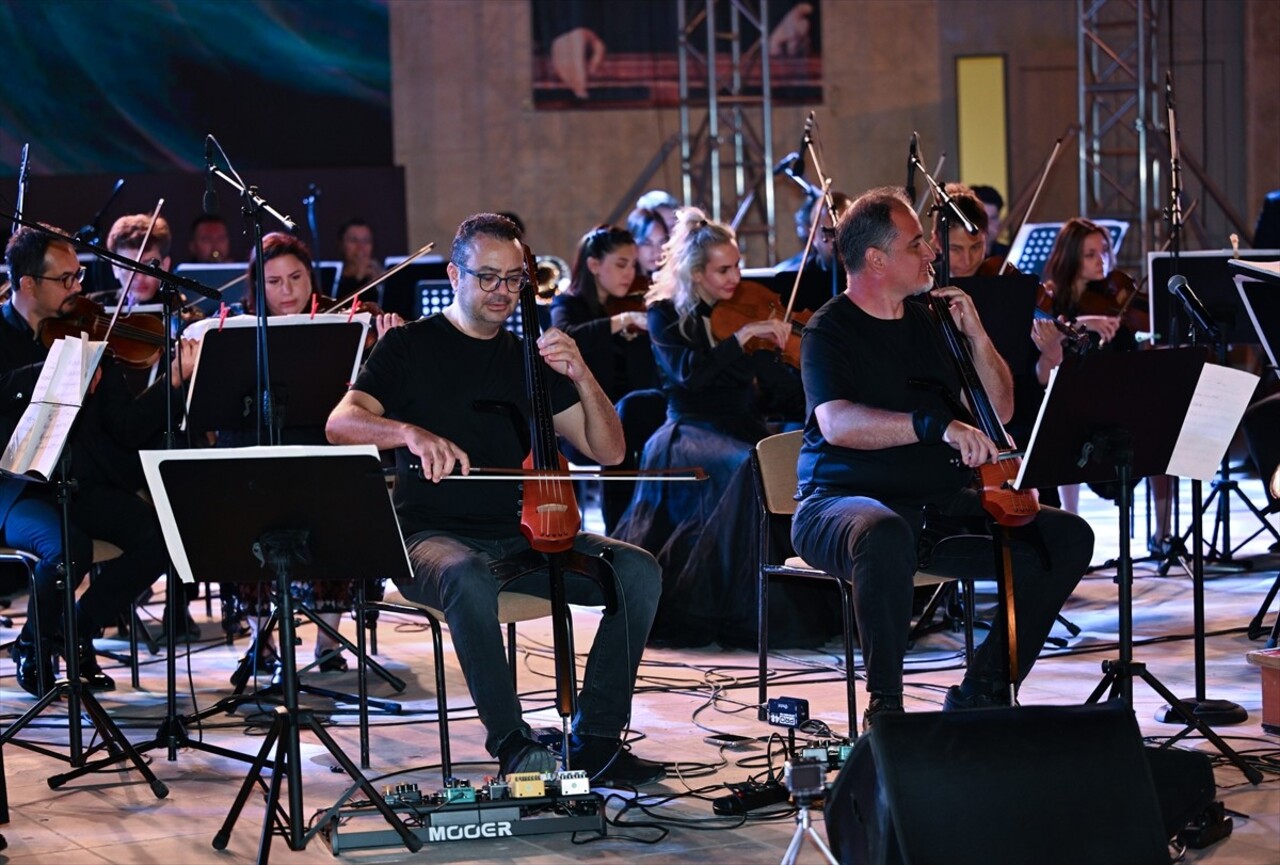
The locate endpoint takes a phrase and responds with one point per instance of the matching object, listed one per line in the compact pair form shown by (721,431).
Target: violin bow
(128,286)
(390,273)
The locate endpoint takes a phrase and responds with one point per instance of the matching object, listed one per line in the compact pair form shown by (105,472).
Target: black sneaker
(957,700)
(610,764)
(880,705)
(518,753)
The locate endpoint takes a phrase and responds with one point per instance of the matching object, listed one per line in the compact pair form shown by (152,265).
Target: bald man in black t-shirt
(880,451)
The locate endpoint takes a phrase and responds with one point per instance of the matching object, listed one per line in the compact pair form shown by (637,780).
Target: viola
(632,301)
(1005,505)
(751,302)
(136,340)
(1116,295)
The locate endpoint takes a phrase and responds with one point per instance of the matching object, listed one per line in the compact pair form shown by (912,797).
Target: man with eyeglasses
(103,448)
(448,392)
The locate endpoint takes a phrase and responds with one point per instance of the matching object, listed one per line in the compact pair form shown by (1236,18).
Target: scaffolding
(726,116)
(1120,166)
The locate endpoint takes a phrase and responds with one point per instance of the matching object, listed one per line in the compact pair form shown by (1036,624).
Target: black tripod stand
(280,550)
(276,515)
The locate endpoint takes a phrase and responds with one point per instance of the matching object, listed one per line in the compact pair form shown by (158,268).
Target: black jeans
(97,512)
(451,573)
(876,548)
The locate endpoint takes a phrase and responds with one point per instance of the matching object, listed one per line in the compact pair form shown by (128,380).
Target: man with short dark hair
(884,459)
(965,252)
(210,241)
(429,390)
(111,426)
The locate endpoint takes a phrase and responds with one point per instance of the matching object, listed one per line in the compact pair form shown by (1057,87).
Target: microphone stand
(253,207)
(22,182)
(91,234)
(1211,712)
(823,190)
(311,201)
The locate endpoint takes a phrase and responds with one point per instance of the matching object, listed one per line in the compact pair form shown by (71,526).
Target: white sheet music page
(1219,401)
(42,431)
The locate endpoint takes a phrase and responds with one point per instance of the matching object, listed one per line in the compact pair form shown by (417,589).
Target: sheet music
(1220,398)
(42,432)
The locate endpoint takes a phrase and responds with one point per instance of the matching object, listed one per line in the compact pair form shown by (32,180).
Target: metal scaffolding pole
(1119,103)
(725,158)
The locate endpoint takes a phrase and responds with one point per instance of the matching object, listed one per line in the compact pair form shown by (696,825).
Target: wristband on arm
(930,424)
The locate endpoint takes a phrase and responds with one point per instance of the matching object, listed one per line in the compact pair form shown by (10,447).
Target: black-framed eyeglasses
(491,281)
(67,279)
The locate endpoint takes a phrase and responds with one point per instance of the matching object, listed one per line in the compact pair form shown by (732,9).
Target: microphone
(1179,288)
(210,194)
(912,158)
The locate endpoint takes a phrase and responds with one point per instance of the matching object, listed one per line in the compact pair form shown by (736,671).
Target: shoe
(609,763)
(958,700)
(879,706)
(91,673)
(1160,547)
(30,662)
(266,663)
(518,753)
(332,661)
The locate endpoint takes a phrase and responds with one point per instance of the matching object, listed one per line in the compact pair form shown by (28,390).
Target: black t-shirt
(472,392)
(850,355)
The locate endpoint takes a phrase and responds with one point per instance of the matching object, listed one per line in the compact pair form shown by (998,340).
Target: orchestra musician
(879,451)
(1079,261)
(650,232)
(125,239)
(109,429)
(823,277)
(210,241)
(716,413)
(418,393)
(607,319)
(288,291)
(359,268)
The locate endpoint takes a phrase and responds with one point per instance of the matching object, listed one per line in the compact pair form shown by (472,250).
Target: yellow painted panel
(980,121)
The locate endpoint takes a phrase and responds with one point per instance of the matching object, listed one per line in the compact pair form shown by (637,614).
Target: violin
(1115,296)
(136,340)
(632,301)
(751,302)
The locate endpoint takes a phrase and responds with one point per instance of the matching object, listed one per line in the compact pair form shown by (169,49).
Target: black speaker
(1041,784)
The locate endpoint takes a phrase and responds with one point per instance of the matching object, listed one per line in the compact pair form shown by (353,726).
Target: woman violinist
(1083,288)
(606,318)
(714,418)
(288,291)
(650,233)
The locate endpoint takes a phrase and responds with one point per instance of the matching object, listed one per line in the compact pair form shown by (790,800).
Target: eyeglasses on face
(491,281)
(67,279)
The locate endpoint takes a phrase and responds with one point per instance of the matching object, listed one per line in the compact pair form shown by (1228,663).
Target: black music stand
(278,523)
(1079,438)
(312,362)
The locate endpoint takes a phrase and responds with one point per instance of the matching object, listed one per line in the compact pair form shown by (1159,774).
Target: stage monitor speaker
(1037,784)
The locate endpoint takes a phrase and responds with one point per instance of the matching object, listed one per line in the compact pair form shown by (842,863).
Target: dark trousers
(97,512)
(876,548)
(452,574)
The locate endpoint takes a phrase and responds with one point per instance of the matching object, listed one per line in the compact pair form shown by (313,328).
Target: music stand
(313,359)
(1080,438)
(277,523)
(1006,305)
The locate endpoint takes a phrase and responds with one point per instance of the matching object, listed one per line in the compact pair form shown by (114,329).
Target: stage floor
(684,697)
